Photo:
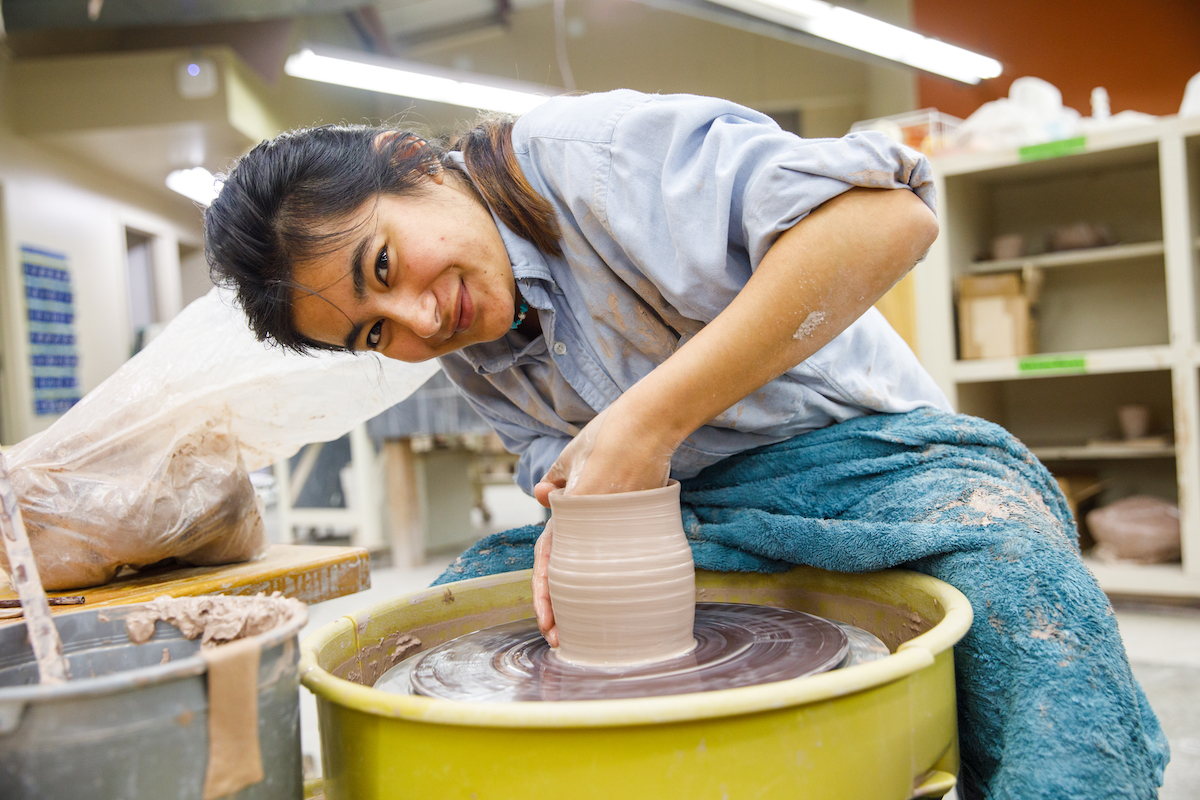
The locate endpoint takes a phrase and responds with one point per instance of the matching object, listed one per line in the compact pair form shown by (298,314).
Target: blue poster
(50,309)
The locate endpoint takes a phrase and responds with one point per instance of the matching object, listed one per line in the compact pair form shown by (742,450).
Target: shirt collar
(527,261)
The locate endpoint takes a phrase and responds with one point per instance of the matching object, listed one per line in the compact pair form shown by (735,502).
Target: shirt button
(560,348)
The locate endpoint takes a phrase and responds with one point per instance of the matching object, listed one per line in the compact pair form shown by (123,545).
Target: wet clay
(622,580)
(216,619)
(736,645)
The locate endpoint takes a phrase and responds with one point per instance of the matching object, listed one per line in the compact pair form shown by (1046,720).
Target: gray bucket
(129,727)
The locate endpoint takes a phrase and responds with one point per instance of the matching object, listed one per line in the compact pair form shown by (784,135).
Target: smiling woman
(631,288)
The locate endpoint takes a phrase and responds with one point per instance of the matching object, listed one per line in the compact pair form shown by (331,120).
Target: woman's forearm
(818,278)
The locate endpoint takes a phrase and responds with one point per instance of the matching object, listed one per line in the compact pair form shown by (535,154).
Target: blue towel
(1047,705)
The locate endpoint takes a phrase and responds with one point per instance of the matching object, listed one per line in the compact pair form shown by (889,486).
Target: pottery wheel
(736,645)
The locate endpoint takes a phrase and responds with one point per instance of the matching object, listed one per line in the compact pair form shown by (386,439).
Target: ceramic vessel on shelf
(622,580)
(1134,421)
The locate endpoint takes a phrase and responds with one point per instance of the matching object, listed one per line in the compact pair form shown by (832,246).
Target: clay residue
(989,505)
(1046,629)
(376,659)
(217,620)
(614,307)
(810,324)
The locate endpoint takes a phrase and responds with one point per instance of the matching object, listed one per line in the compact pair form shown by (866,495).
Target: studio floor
(1163,643)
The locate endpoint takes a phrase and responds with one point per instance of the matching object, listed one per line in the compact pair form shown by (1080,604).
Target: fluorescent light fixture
(411,79)
(196,184)
(871,35)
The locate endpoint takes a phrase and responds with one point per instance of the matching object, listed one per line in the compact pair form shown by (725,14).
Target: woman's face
(419,276)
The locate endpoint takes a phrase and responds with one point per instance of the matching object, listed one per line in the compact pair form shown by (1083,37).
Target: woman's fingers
(543,489)
(541,586)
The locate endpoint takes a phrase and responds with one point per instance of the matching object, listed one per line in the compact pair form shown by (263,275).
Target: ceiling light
(871,35)
(196,184)
(411,79)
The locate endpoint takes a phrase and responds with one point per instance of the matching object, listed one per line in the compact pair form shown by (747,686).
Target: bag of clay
(154,463)
(1140,529)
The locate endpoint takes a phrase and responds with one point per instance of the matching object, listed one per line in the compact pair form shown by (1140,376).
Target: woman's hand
(621,450)
(541,586)
(617,451)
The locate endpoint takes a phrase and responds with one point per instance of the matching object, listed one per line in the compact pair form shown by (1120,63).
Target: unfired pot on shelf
(884,730)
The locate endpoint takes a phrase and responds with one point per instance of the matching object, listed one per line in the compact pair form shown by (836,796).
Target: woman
(630,286)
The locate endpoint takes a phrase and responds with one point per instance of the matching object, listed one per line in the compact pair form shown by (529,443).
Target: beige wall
(53,201)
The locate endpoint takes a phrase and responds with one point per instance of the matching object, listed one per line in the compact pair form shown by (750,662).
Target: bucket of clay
(134,720)
(883,730)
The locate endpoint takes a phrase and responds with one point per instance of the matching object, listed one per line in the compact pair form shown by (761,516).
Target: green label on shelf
(1063,147)
(1073,364)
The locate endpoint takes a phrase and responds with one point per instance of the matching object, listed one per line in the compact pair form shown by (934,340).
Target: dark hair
(277,201)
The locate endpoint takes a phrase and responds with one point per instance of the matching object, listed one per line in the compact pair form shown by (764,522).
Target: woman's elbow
(920,224)
(928,226)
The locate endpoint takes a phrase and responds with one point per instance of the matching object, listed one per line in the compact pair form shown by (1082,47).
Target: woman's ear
(412,144)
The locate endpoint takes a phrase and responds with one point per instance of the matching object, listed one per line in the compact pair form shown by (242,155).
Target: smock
(666,205)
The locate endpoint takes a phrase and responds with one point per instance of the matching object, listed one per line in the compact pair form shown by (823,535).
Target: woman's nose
(423,316)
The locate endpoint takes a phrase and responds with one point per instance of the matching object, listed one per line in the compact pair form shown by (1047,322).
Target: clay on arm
(816,279)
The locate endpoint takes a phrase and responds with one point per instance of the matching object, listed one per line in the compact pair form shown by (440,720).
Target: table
(309,573)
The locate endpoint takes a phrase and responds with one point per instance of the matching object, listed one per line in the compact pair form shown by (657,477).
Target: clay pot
(1134,421)
(1008,246)
(622,581)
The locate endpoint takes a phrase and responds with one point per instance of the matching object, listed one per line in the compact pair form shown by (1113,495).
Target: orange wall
(1141,51)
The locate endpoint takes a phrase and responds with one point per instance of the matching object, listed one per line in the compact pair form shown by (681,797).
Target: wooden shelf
(1158,580)
(1069,258)
(1100,150)
(1090,362)
(1117,323)
(1104,451)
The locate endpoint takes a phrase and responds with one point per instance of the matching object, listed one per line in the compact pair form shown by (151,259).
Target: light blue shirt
(667,204)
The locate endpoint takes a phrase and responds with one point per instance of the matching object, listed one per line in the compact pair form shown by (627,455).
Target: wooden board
(306,572)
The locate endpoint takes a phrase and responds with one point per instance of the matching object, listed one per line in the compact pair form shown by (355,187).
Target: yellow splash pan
(883,730)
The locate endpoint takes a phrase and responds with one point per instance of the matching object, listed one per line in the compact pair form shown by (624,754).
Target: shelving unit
(1067,258)
(1117,324)
(1097,452)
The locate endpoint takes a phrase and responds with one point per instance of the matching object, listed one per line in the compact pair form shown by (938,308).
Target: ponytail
(488,151)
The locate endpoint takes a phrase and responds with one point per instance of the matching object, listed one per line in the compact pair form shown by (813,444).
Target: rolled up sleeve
(700,188)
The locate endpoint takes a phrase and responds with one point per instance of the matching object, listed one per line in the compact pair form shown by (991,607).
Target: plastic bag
(1190,107)
(154,463)
(1032,113)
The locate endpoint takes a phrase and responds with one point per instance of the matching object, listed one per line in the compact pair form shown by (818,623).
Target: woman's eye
(381,266)
(375,334)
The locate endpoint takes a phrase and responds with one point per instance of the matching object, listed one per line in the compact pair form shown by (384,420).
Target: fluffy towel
(1047,705)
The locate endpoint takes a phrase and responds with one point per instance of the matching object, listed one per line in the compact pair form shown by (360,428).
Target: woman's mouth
(466,309)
